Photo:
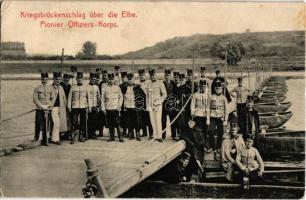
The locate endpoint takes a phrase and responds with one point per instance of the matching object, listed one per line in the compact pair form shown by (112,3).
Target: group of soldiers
(129,107)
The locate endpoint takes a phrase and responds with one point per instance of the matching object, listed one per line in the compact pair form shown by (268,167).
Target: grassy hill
(280,44)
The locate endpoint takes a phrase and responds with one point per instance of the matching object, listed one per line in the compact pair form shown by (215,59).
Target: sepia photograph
(152,99)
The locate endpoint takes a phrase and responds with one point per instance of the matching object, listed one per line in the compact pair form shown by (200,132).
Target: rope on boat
(17,116)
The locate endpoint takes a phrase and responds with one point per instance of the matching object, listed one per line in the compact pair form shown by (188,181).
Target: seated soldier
(250,162)
(231,145)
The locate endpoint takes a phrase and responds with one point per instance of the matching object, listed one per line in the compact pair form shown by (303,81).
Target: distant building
(13,50)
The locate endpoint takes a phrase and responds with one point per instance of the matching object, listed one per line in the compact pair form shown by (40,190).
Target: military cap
(167,71)
(73,68)
(99,70)
(57,74)
(182,76)
(79,74)
(203,69)
(141,71)
(44,75)
(239,79)
(104,71)
(151,72)
(250,97)
(130,76)
(217,71)
(189,71)
(111,76)
(92,75)
(218,83)
(117,67)
(186,155)
(176,74)
(203,82)
(250,138)
(123,74)
(66,76)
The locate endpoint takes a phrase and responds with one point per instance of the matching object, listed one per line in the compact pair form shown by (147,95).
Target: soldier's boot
(132,133)
(100,133)
(138,136)
(72,137)
(44,141)
(82,137)
(111,135)
(120,135)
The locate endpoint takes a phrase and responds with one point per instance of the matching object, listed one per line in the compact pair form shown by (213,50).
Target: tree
(233,50)
(88,51)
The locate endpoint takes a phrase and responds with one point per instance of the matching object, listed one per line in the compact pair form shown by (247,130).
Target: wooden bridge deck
(59,170)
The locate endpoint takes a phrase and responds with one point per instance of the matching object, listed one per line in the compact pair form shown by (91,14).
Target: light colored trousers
(55,114)
(156,121)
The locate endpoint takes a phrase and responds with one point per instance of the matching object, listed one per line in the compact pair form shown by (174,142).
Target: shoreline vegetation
(276,63)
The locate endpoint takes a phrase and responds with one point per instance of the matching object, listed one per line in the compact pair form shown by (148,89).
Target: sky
(155,22)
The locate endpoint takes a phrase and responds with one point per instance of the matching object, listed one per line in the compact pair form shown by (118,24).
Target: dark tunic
(66,88)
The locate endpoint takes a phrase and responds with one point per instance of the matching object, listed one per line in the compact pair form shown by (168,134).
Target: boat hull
(274,120)
(272,107)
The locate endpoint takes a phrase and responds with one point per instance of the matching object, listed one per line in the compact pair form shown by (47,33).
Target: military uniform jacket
(169,103)
(218,107)
(58,92)
(240,93)
(79,97)
(66,89)
(42,96)
(156,94)
(250,159)
(112,98)
(142,98)
(200,104)
(94,95)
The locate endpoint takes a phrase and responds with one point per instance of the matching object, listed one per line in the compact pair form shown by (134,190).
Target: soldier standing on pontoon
(156,94)
(111,103)
(94,98)
(241,94)
(217,117)
(59,109)
(200,109)
(78,102)
(102,119)
(42,99)
(123,113)
(225,91)
(188,92)
(146,123)
(169,104)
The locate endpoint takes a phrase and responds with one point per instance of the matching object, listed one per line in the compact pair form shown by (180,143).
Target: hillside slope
(283,44)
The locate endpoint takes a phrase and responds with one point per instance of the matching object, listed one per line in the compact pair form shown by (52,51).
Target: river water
(16,98)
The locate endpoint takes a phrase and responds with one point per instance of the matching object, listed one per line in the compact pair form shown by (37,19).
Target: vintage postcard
(152,99)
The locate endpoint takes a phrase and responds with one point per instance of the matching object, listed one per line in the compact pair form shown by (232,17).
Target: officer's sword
(47,126)
(86,124)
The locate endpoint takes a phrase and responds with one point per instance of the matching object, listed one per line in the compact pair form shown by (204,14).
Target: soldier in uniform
(252,120)
(217,117)
(59,106)
(111,103)
(181,121)
(156,94)
(133,107)
(117,77)
(65,84)
(102,85)
(200,109)
(146,123)
(99,76)
(94,98)
(42,99)
(73,74)
(176,78)
(241,94)
(66,87)
(78,102)
(169,104)
(225,91)
(203,77)
(188,91)
(123,113)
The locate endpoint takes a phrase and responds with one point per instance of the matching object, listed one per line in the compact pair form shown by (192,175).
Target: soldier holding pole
(42,99)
